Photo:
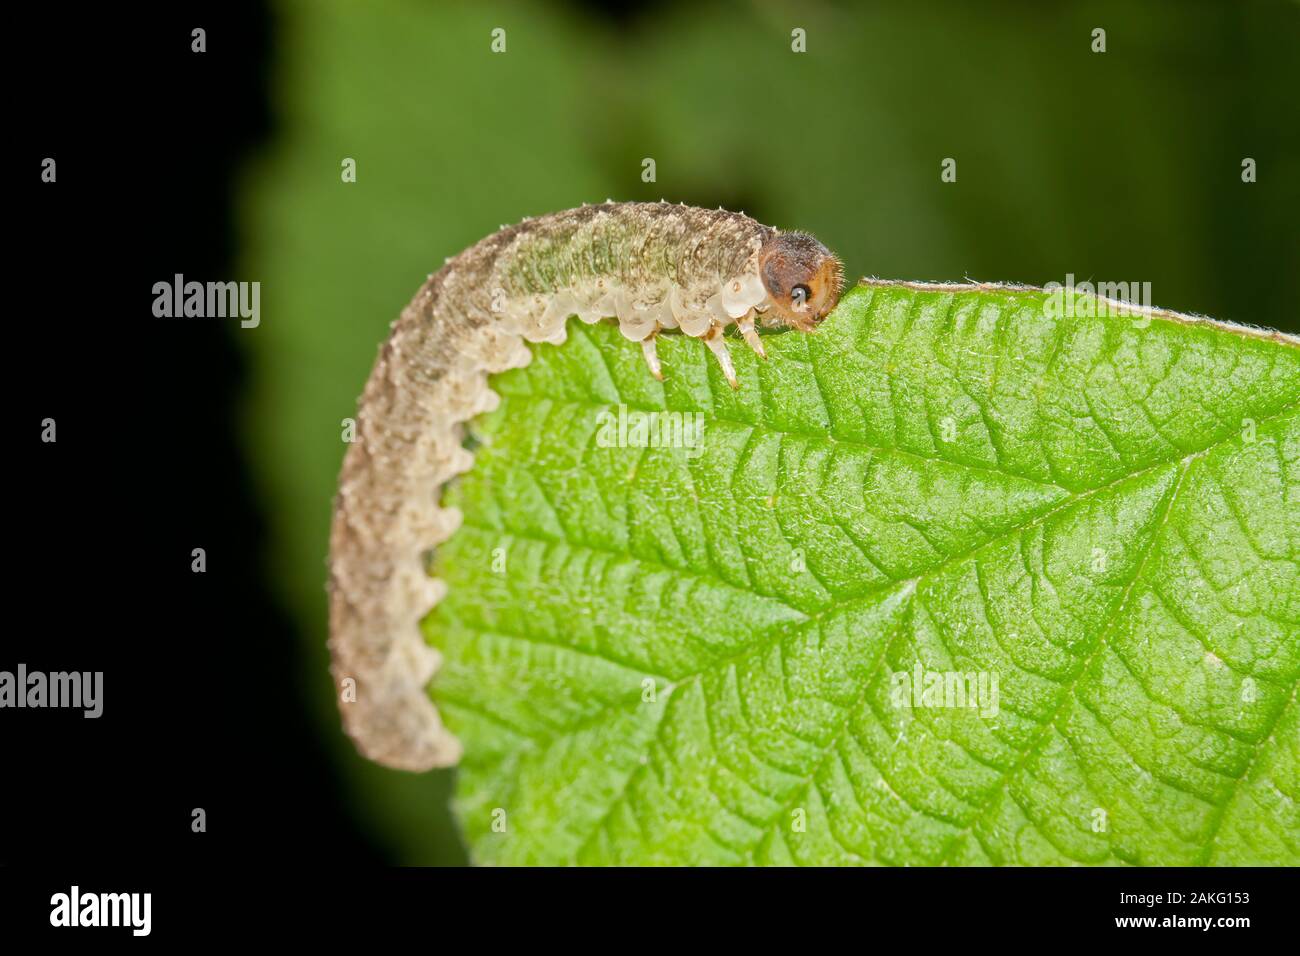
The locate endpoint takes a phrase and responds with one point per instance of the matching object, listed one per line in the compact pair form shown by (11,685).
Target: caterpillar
(653,267)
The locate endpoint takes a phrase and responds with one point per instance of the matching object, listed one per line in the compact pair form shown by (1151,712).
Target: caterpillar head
(802,277)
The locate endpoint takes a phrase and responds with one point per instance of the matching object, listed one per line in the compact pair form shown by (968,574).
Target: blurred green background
(1115,166)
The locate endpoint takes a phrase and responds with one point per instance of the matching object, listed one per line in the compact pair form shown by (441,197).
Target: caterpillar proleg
(653,267)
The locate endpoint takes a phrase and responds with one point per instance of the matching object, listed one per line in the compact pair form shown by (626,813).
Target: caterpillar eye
(800,295)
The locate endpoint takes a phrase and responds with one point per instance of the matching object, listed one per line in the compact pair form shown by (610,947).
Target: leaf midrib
(1062,504)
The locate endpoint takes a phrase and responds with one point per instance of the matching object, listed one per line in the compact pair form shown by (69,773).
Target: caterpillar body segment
(653,268)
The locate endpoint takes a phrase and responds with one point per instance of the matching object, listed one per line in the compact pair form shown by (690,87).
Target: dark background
(176,434)
(198,710)
(147,466)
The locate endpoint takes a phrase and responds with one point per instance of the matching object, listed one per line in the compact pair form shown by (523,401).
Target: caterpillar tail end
(389,716)
(382,682)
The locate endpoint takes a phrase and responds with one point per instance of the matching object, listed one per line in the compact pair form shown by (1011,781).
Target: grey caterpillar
(653,267)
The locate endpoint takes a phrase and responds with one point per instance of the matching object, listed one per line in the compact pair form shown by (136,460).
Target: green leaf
(709,654)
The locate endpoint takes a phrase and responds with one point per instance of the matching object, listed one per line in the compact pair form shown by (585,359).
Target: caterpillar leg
(718,345)
(746,327)
(652,355)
